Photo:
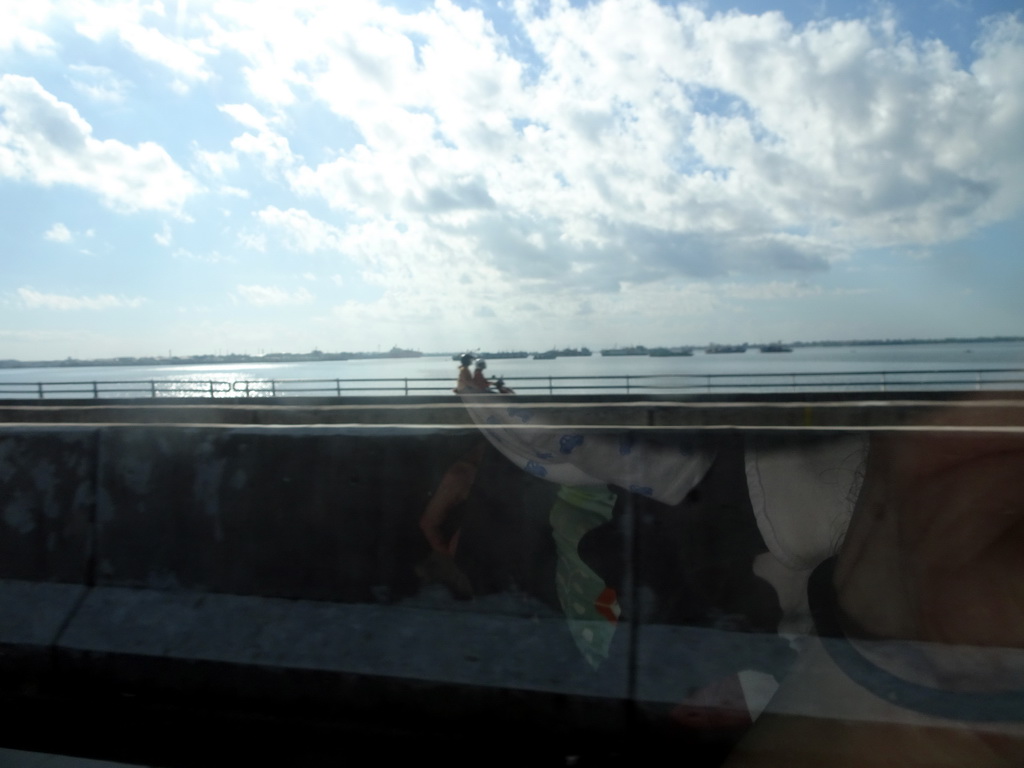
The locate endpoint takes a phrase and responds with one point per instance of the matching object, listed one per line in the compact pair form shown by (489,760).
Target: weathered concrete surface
(33,613)
(238,563)
(315,513)
(455,647)
(187,540)
(32,616)
(807,410)
(47,502)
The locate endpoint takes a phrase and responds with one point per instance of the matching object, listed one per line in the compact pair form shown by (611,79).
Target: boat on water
(495,355)
(671,352)
(777,346)
(625,351)
(725,349)
(504,355)
(551,354)
(573,352)
(393,352)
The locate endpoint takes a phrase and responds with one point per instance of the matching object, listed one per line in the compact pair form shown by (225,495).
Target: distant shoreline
(273,357)
(397,352)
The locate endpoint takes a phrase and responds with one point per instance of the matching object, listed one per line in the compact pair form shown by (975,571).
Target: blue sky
(199,177)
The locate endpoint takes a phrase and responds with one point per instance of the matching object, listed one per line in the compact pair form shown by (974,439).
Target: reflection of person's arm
(934,553)
(453,490)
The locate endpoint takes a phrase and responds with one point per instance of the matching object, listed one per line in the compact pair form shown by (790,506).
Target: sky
(252,177)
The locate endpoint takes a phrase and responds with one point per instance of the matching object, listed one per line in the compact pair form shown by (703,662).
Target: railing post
(152,388)
(95,391)
(406,387)
(627,383)
(337,387)
(40,386)
(551,386)
(273,388)
(883,381)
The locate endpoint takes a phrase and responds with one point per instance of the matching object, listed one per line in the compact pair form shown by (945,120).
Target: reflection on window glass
(662,358)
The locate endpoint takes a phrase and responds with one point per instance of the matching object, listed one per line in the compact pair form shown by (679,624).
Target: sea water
(924,366)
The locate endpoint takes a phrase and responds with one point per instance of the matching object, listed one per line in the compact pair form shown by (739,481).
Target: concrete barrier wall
(314,513)
(47,502)
(323,513)
(850,410)
(231,565)
(236,562)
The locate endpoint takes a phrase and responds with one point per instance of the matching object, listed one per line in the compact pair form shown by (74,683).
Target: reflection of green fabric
(576,511)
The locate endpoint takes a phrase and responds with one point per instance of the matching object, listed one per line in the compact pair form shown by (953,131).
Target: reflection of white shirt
(664,470)
(802,494)
(803,498)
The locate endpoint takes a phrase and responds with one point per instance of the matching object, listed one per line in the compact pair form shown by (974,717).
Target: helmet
(481,364)
(467,358)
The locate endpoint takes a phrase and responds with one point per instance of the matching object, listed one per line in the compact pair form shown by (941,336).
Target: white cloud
(247,115)
(254,241)
(733,143)
(270,296)
(179,57)
(46,142)
(656,158)
(302,231)
(185,58)
(263,142)
(20,26)
(728,129)
(36,300)
(768,126)
(272,149)
(58,233)
(217,163)
(98,83)
(164,236)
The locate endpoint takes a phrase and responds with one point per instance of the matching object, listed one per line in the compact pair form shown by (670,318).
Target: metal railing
(130,388)
(847,381)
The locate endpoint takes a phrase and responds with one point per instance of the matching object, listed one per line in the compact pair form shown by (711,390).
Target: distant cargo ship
(725,349)
(777,346)
(398,352)
(624,351)
(573,352)
(494,355)
(504,355)
(551,354)
(671,352)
